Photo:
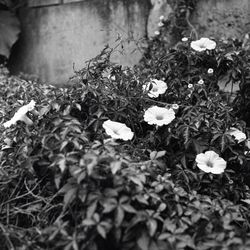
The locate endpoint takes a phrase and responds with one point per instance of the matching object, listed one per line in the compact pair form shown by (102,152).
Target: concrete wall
(59,33)
(222,18)
(56,36)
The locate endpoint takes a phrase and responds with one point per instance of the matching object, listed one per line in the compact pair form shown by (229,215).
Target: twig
(191,25)
(21,196)
(11,247)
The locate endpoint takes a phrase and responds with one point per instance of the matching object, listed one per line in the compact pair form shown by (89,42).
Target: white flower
(210,71)
(159,116)
(175,106)
(118,130)
(203,44)
(162,18)
(200,82)
(111,77)
(210,162)
(20,115)
(190,86)
(237,134)
(160,24)
(158,87)
(157,32)
(184,39)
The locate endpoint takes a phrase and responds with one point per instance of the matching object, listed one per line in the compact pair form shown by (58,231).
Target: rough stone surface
(222,18)
(55,37)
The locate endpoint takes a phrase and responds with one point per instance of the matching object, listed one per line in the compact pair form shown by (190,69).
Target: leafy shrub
(65,184)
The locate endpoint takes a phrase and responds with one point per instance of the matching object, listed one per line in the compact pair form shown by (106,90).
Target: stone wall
(59,33)
(55,35)
(222,18)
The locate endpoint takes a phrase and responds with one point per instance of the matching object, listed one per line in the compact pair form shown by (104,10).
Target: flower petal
(117,130)
(210,162)
(159,116)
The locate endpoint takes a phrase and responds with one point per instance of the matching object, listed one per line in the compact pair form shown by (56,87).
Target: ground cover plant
(144,158)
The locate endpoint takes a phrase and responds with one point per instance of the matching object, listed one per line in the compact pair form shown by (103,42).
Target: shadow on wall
(58,34)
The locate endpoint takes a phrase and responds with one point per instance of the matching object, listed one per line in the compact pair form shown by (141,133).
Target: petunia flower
(159,116)
(200,82)
(175,106)
(118,130)
(210,162)
(20,115)
(190,85)
(162,18)
(210,71)
(157,32)
(203,44)
(158,87)
(237,134)
(160,24)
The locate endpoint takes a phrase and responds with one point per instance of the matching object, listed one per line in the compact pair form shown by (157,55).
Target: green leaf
(119,216)
(70,195)
(61,162)
(88,222)
(109,205)
(154,154)
(152,226)
(128,208)
(101,231)
(115,166)
(9,30)
(136,181)
(143,241)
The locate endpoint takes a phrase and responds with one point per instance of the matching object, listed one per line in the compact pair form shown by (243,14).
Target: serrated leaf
(143,241)
(136,181)
(119,216)
(154,154)
(44,110)
(91,209)
(88,222)
(246,201)
(62,163)
(128,208)
(66,111)
(101,231)
(152,226)
(78,106)
(109,205)
(69,196)
(63,145)
(115,166)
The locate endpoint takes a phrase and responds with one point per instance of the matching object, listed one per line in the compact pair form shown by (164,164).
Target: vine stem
(191,25)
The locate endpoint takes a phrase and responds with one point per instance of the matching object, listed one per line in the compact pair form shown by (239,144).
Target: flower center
(154,89)
(203,46)
(159,117)
(115,131)
(210,164)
